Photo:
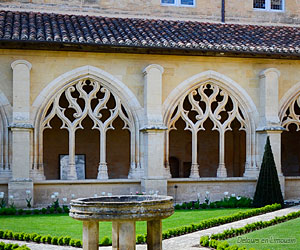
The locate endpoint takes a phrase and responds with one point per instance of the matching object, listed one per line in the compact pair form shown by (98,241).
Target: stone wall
(188,190)
(292,188)
(236,10)
(87,188)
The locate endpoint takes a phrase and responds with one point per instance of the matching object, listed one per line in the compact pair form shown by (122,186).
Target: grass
(261,239)
(63,225)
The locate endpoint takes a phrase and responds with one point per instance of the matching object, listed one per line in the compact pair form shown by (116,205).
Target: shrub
(44,210)
(36,211)
(66,209)
(37,239)
(60,241)
(20,211)
(59,209)
(140,239)
(184,206)
(28,212)
(54,240)
(32,236)
(48,239)
(189,205)
(51,210)
(43,239)
(204,206)
(268,189)
(204,241)
(72,242)
(78,243)
(67,240)
(105,241)
(177,206)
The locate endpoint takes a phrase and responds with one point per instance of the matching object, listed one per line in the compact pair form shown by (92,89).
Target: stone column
(153,132)
(269,124)
(123,235)
(154,235)
(90,235)
(21,134)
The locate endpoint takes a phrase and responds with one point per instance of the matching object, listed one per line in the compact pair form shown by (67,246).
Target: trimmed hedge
(230,202)
(141,238)
(205,224)
(49,210)
(9,246)
(215,243)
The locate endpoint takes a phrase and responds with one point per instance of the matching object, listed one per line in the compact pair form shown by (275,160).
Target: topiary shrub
(105,241)
(268,189)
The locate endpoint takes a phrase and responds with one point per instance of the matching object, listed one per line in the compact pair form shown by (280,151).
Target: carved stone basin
(123,211)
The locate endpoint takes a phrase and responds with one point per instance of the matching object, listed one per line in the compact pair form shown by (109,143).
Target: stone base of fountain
(123,211)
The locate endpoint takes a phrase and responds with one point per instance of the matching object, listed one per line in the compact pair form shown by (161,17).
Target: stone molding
(153,66)
(17,62)
(265,72)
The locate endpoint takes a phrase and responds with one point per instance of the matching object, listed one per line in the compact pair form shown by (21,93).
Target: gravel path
(184,242)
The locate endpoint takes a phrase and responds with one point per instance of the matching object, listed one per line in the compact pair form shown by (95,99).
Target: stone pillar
(153,132)
(90,235)
(21,132)
(269,124)
(154,235)
(123,235)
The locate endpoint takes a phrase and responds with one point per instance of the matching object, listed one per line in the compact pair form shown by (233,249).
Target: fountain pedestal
(123,211)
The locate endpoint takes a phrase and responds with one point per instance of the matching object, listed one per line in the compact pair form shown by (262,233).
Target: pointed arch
(289,115)
(234,90)
(44,100)
(5,147)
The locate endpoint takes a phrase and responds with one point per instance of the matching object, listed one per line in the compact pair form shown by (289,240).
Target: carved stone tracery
(207,101)
(81,96)
(290,114)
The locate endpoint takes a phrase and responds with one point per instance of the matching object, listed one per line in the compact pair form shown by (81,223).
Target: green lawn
(62,225)
(285,231)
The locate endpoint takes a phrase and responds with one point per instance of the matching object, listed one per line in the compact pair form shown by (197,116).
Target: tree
(268,189)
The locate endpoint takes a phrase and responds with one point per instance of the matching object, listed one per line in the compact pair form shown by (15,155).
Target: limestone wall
(87,188)
(188,190)
(236,10)
(292,188)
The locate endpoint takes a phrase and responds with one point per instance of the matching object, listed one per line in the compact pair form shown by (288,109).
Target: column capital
(153,66)
(265,72)
(15,63)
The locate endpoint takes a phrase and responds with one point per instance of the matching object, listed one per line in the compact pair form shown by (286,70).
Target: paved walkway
(184,242)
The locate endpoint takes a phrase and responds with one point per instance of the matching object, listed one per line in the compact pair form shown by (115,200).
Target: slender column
(153,131)
(21,134)
(194,167)
(90,239)
(102,169)
(221,172)
(167,155)
(269,124)
(72,175)
(154,235)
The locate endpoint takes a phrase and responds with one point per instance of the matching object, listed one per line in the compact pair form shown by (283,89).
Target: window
(270,5)
(186,3)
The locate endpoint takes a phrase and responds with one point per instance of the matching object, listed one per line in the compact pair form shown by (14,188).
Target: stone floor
(184,242)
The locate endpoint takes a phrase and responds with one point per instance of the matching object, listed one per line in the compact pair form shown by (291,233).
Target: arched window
(208,128)
(290,138)
(77,122)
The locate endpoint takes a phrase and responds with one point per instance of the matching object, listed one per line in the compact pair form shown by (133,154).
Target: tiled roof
(169,35)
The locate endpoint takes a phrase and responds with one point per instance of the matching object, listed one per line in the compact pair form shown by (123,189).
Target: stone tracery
(207,101)
(88,98)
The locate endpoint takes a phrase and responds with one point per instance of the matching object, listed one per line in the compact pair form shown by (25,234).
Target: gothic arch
(233,91)
(289,115)
(110,84)
(5,147)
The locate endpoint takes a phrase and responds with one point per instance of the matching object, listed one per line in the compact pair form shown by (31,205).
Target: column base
(5,174)
(123,235)
(72,174)
(102,172)
(17,192)
(221,172)
(158,186)
(194,171)
(136,172)
(251,172)
(37,175)
(167,173)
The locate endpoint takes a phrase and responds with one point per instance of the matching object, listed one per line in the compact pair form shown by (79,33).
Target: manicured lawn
(63,225)
(284,231)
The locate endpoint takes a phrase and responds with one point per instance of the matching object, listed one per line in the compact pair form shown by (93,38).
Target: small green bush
(44,210)
(59,210)
(49,239)
(37,239)
(78,243)
(67,240)
(105,241)
(60,241)
(54,240)
(140,239)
